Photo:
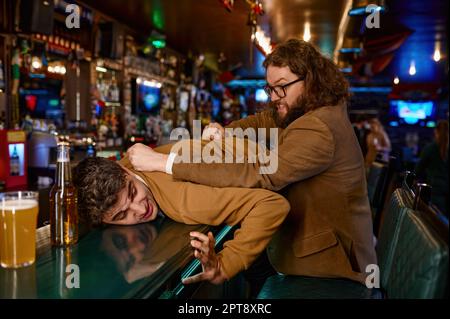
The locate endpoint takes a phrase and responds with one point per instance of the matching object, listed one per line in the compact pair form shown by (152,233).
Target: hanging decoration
(228,4)
(258,37)
(256,9)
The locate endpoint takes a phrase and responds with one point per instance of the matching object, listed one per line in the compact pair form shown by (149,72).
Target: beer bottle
(63,201)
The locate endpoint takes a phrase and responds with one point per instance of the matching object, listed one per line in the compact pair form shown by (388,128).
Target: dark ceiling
(288,17)
(197,26)
(429,22)
(205,26)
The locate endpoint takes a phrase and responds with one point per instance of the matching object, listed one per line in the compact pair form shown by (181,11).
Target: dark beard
(294,112)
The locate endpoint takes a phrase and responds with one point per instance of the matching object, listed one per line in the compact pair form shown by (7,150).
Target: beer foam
(18,204)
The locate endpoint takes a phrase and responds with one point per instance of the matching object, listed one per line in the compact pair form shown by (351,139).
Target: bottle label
(63,155)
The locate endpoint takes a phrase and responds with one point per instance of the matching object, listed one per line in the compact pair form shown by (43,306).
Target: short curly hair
(98,181)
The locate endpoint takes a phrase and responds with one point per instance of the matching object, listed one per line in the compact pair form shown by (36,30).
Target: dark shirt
(361,134)
(432,169)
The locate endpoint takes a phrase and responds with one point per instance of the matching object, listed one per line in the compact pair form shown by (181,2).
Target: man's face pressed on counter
(135,204)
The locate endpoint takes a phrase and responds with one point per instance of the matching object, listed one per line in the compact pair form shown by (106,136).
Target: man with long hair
(328,232)
(378,143)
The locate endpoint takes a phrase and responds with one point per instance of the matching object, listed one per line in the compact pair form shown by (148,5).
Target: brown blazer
(328,232)
(258,211)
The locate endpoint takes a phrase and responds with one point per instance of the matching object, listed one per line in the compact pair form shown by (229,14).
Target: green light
(159,43)
(53,102)
(158,20)
(157,15)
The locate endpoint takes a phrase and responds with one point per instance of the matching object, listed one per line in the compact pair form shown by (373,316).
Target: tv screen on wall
(41,103)
(413,112)
(148,98)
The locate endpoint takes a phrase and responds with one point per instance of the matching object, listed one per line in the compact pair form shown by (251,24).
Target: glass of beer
(18,220)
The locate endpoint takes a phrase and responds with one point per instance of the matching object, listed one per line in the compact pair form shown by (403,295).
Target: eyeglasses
(280,90)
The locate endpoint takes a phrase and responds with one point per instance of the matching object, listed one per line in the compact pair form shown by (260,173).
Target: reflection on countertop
(111,262)
(139,250)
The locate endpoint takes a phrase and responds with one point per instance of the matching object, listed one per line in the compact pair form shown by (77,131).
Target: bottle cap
(63,143)
(63,152)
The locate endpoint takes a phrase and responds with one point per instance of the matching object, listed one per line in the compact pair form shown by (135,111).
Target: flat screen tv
(148,98)
(41,103)
(413,112)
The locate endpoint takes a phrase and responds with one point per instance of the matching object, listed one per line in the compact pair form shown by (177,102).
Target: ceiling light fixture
(412,68)
(437,52)
(307,32)
(437,55)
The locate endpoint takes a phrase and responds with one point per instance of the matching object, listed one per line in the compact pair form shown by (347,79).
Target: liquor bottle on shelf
(63,202)
(114,94)
(110,138)
(101,87)
(14,163)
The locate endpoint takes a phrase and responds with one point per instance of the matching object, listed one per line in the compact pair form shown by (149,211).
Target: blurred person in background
(432,167)
(378,143)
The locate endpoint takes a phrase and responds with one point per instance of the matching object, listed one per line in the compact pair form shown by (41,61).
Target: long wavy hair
(325,85)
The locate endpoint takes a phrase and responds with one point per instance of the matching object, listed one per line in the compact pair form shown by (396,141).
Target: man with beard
(328,232)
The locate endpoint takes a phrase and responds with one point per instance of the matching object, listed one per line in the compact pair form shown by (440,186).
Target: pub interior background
(131,73)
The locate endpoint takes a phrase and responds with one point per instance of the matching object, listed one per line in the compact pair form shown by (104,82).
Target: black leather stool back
(420,261)
(375,182)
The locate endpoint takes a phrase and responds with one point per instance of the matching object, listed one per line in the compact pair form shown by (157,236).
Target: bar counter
(139,261)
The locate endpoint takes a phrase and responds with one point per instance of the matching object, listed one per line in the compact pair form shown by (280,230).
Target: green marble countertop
(140,261)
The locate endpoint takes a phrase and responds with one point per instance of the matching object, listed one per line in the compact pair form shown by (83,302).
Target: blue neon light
(36,76)
(373,89)
(362,11)
(393,123)
(350,50)
(346,70)
(246,83)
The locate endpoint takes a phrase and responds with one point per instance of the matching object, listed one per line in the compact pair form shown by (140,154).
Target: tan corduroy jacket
(258,211)
(328,232)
